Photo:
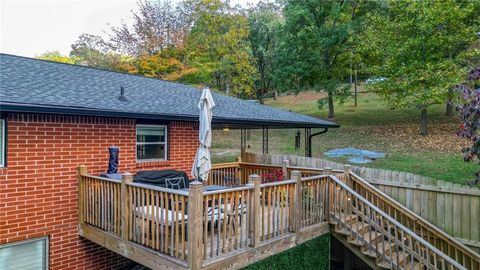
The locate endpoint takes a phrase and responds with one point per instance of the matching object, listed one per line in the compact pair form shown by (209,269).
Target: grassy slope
(373,126)
(313,254)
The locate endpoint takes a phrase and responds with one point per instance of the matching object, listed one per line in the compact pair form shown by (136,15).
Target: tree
(56,56)
(157,25)
(420,42)
(218,47)
(469,113)
(314,51)
(264,21)
(164,65)
(94,51)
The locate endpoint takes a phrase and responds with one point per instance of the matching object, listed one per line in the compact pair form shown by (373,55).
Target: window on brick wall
(151,142)
(30,254)
(2,143)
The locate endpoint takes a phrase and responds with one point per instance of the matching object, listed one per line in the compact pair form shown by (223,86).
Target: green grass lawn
(371,110)
(372,125)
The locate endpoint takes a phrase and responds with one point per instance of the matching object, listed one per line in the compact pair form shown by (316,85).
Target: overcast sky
(30,28)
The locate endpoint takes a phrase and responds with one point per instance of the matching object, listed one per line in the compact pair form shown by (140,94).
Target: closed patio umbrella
(202,163)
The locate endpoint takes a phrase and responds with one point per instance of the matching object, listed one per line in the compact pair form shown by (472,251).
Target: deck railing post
(125,205)
(81,170)
(297,177)
(327,171)
(238,171)
(347,170)
(327,199)
(255,180)
(329,193)
(195,224)
(285,165)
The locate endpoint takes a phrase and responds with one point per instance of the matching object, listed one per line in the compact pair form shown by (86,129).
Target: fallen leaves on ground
(441,137)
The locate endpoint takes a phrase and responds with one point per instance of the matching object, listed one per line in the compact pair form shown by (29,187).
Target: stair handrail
(416,217)
(393,221)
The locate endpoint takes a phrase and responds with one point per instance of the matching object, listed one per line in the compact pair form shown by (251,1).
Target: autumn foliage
(469,113)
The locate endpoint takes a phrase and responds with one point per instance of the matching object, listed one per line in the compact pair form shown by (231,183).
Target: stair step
(417,266)
(349,219)
(384,265)
(369,253)
(383,250)
(360,227)
(342,231)
(400,255)
(356,242)
(371,236)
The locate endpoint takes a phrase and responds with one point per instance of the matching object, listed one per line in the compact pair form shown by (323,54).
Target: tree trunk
(449,105)
(356,83)
(423,121)
(449,109)
(351,76)
(331,110)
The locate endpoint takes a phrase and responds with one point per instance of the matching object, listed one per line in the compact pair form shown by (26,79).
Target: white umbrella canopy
(202,163)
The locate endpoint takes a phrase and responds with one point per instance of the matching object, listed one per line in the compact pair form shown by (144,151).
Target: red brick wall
(38,189)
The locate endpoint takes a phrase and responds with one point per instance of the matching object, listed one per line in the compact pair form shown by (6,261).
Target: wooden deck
(253,219)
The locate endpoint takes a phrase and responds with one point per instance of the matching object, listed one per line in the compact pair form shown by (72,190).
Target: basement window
(151,143)
(29,254)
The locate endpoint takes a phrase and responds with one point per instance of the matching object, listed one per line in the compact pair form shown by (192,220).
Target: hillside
(372,125)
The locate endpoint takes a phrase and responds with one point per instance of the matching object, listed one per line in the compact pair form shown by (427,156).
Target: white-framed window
(151,142)
(28,255)
(3,145)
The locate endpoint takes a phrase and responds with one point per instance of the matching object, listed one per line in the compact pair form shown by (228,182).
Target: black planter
(113,159)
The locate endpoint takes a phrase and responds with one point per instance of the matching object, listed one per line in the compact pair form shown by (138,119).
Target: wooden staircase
(376,237)
(375,249)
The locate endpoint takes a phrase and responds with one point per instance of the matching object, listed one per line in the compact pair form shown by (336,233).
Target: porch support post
(195,225)
(243,142)
(125,205)
(255,180)
(297,177)
(265,140)
(308,142)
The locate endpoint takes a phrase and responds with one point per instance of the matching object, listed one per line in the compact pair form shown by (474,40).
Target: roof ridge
(95,68)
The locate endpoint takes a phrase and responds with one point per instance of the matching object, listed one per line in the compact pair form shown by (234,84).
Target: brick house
(55,117)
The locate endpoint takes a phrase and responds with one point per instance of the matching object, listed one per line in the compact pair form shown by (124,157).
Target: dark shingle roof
(42,86)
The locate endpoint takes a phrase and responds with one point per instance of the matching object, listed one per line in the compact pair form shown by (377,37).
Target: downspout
(310,140)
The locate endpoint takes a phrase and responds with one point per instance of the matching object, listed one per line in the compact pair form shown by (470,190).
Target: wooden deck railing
(222,174)
(147,215)
(100,203)
(198,229)
(227,216)
(397,246)
(412,221)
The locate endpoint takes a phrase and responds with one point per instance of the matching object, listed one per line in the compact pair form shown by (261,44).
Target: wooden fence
(454,208)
